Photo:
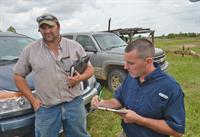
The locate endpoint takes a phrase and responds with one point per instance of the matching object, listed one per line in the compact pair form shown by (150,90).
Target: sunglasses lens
(39,19)
(48,17)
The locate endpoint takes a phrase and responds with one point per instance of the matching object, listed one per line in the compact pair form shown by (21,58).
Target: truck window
(68,36)
(86,42)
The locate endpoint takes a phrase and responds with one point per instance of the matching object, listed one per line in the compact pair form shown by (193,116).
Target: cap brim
(48,22)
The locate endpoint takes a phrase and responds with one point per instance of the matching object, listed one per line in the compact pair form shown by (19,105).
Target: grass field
(186,70)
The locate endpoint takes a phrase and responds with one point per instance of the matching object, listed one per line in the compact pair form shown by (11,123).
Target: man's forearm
(23,87)
(87,73)
(111,103)
(158,126)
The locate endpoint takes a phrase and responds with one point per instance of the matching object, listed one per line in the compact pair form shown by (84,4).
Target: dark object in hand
(79,65)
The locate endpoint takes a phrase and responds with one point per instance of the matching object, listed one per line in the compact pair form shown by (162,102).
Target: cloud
(70,25)
(22,13)
(165,16)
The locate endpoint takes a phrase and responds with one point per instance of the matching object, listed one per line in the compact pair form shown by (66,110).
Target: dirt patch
(191,45)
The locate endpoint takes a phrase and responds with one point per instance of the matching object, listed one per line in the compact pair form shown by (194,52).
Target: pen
(100,94)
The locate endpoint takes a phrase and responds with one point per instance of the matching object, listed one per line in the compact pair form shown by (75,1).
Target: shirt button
(137,100)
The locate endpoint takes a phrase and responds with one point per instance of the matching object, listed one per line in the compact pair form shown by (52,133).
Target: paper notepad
(113,110)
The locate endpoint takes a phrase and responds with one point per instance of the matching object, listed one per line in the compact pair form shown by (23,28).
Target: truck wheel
(115,78)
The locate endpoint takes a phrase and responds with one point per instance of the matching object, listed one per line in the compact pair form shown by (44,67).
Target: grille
(84,85)
(160,59)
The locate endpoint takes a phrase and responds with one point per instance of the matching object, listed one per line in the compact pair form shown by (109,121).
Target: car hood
(120,50)
(7,81)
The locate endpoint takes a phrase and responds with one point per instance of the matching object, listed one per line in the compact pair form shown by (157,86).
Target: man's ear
(149,60)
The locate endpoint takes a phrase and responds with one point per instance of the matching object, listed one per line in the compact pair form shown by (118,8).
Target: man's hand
(95,102)
(157,125)
(24,88)
(74,80)
(36,104)
(131,117)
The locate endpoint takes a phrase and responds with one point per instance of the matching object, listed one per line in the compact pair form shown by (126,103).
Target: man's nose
(47,30)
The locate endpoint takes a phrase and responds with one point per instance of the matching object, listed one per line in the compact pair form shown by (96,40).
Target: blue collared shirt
(158,97)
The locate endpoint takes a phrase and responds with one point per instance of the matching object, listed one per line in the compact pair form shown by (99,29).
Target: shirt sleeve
(175,113)
(119,94)
(23,67)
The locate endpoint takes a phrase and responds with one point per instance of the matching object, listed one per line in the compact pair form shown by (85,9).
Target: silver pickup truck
(106,54)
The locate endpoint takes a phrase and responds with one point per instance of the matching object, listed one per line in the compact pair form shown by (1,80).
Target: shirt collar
(59,46)
(153,74)
(60,55)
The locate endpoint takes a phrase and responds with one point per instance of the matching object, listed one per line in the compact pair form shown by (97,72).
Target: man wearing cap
(57,101)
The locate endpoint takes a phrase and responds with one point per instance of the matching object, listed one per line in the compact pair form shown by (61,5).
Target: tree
(171,35)
(11,29)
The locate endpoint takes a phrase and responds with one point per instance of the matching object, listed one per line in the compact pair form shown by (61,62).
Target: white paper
(113,110)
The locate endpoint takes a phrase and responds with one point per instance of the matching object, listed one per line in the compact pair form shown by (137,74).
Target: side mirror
(90,48)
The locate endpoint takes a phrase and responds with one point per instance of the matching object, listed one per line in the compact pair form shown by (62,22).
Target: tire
(115,78)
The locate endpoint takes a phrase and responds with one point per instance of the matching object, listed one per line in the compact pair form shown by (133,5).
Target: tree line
(10,29)
(170,35)
(179,35)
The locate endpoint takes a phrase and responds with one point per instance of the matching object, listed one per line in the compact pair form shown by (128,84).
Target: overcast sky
(164,16)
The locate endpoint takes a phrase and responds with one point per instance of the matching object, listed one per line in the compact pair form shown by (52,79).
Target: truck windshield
(109,41)
(11,47)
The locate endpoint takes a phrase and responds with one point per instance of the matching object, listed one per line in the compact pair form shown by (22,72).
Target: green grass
(102,123)
(186,70)
(187,73)
(176,42)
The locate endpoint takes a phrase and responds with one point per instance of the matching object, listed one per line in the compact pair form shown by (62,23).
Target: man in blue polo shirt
(153,100)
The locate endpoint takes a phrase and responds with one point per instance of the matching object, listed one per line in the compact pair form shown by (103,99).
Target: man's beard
(49,38)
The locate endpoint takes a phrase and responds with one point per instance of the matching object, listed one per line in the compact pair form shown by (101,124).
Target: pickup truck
(106,51)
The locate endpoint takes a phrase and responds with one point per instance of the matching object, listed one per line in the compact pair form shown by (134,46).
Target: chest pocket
(154,105)
(40,63)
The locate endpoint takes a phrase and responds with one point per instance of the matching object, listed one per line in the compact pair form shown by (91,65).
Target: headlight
(92,81)
(13,103)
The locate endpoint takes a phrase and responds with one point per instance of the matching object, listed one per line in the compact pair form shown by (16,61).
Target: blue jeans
(70,115)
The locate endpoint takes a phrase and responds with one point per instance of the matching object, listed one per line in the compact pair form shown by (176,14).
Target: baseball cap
(48,19)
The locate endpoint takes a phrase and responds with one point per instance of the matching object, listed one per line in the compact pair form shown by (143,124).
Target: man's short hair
(143,47)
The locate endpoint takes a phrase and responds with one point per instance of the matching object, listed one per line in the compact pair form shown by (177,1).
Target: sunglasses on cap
(46,17)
